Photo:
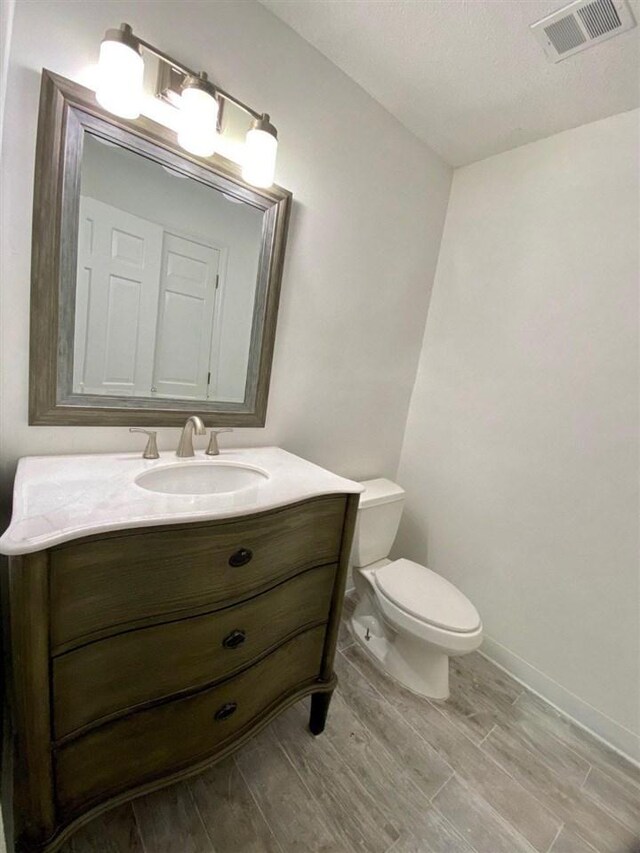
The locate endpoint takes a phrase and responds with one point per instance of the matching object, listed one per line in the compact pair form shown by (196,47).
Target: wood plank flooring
(492,770)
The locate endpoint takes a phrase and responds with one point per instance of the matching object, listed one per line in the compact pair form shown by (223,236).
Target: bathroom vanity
(150,633)
(157,611)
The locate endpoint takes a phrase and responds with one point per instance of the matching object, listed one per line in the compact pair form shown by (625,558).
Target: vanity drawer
(127,670)
(101,586)
(160,741)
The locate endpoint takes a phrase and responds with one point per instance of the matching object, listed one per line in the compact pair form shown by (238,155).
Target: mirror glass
(166,281)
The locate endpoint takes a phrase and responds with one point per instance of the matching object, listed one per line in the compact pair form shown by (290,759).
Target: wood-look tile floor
(492,770)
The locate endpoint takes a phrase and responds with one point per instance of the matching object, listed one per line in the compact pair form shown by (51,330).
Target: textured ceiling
(467,76)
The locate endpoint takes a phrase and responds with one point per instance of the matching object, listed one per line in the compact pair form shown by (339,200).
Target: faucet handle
(213,448)
(151,450)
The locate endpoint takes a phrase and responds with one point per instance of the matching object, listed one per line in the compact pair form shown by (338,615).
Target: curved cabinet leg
(319,708)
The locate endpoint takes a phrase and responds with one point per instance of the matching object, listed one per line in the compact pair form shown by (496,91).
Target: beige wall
(369,206)
(520,456)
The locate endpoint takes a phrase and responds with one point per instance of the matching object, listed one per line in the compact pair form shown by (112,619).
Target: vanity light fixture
(119,90)
(120,73)
(260,148)
(198,116)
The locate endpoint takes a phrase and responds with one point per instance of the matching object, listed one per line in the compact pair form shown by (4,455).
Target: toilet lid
(427,596)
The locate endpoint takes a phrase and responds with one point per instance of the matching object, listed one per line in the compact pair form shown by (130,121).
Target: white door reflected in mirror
(166,282)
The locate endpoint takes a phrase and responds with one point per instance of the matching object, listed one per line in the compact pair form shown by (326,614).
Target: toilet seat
(427,597)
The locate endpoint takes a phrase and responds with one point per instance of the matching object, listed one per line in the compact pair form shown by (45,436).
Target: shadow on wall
(412,540)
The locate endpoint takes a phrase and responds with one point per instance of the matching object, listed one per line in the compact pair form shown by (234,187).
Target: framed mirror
(155,274)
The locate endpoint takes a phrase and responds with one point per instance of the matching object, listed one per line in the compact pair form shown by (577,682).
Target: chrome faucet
(185,446)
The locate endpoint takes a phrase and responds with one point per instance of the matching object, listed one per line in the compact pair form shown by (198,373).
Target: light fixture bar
(160,54)
(238,103)
(121,92)
(184,69)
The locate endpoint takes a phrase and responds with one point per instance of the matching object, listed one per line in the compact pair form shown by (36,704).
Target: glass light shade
(197,132)
(259,164)
(120,73)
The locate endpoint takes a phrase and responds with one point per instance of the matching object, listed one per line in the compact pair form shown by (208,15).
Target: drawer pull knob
(226,711)
(241,557)
(234,639)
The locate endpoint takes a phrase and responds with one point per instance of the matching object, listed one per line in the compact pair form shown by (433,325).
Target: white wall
(369,206)
(7,8)
(520,457)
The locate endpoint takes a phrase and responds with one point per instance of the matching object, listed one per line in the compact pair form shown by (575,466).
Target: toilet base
(421,668)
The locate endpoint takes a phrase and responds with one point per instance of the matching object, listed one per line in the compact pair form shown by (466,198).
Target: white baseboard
(602,727)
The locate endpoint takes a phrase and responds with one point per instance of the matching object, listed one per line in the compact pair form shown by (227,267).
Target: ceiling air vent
(580,25)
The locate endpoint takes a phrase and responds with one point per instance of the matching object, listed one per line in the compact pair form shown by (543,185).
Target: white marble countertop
(58,498)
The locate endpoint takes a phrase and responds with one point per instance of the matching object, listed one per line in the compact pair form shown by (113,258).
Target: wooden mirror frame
(67,111)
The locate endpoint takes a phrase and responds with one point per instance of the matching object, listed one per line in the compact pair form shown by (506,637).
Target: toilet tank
(379,514)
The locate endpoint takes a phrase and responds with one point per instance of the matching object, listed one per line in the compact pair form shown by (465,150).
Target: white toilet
(407,617)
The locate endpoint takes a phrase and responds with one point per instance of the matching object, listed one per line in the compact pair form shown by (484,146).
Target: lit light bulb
(120,73)
(197,128)
(261,147)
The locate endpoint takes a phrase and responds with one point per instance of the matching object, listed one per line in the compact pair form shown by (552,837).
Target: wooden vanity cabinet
(138,657)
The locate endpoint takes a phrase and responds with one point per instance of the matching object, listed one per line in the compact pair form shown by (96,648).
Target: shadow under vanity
(159,609)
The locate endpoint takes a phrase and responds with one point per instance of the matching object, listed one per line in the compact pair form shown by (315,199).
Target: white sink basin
(201,478)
